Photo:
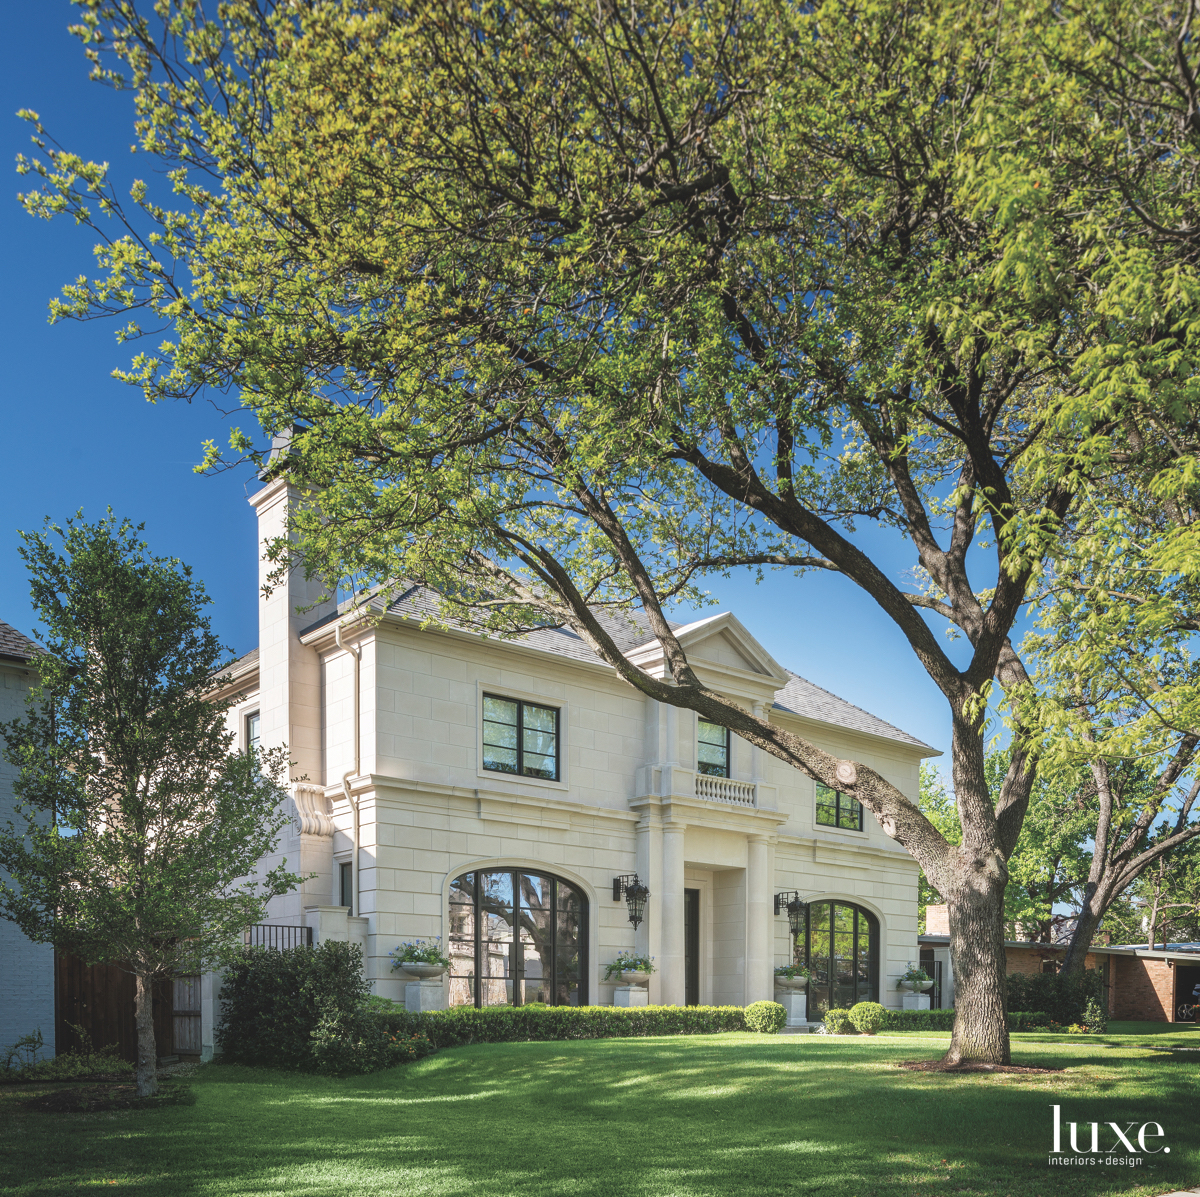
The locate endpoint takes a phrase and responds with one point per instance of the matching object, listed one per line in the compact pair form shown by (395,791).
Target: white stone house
(489,792)
(26,968)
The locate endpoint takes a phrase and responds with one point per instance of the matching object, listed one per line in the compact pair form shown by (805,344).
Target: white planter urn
(917,986)
(630,977)
(791,982)
(422,972)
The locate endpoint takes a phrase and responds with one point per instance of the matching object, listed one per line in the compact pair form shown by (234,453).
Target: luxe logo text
(1129,1146)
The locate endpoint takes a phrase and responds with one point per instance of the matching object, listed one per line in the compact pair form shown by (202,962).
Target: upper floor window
(835,809)
(520,737)
(252,732)
(712,749)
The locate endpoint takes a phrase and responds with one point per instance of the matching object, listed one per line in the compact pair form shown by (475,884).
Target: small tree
(140,825)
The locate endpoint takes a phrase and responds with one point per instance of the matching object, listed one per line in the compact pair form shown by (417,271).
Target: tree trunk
(976,912)
(1090,914)
(147,1059)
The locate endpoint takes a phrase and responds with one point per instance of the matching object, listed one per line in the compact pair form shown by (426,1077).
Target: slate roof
(631,630)
(802,697)
(15,646)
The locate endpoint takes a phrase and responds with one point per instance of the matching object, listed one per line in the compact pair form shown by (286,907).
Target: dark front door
(691,946)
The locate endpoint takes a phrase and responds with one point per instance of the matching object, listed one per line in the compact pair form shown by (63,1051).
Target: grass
(671,1117)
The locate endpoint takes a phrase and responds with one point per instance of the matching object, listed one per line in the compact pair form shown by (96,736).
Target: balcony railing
(725,789)
(279,937)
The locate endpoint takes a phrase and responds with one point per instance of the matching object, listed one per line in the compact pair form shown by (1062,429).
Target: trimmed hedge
(520,1024)
(917,1020)
(943,1020)
(273,1001)
(1064,998)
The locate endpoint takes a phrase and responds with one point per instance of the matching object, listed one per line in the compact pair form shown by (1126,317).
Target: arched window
(517,937)
(841,946)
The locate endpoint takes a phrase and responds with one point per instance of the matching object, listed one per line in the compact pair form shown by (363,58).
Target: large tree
(140,826)
(569,305)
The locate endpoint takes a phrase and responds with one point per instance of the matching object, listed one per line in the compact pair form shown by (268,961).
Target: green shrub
(20,1063)
(1028,1020)
(274,1001)
(917,1020)
(837,1020)
(1064,998)
(767,1018)
(520,1024)
(867,1017)
(1094,1017)
(357,1041)
(943,1020)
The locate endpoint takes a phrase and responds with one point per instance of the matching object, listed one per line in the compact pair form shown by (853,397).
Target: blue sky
(75,438)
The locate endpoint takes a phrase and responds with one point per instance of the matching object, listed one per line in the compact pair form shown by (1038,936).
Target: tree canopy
(569,305)
(140,826)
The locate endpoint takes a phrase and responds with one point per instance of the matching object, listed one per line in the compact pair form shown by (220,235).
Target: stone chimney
(290,698)
(937,920)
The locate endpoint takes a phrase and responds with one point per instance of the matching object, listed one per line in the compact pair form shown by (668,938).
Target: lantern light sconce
(635,894)
(789,902)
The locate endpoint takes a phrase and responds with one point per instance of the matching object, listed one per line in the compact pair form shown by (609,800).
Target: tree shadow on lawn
(647,1118)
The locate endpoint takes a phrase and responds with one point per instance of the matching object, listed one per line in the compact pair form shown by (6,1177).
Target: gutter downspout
(356,652)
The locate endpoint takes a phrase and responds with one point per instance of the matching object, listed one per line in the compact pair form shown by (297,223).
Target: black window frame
(478,939)
(839,799)
(251,742)
(705,772)
(346,883)
(521,705)
(871,989)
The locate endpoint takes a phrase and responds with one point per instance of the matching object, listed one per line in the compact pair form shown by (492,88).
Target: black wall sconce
(635,896)
(789,902)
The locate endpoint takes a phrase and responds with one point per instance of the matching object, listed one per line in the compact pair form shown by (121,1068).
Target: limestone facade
(383,721)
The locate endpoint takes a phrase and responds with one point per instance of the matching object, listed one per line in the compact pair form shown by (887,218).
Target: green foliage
(358,1041)
(630,962)
(427,951)
(767,1018)
(274,1002)
(837,1020)
(1095,1017)
(626,301)
(794,970)
(913,973)
(867,1017)
(518,1024)
(21,1062)
(1063,996)
(943,1020)
(138,821)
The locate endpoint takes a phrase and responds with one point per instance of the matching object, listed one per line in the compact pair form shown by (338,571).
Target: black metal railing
(279,937)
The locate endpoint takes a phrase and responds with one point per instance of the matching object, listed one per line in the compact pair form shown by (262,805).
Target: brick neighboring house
(1143,984)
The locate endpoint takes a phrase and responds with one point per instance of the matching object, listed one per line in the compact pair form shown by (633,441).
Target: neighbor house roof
(16,647)
(629,631)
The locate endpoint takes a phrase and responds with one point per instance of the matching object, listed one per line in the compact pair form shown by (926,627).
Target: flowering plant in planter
(793,971)
(627,962)
(418,952)
(913,975)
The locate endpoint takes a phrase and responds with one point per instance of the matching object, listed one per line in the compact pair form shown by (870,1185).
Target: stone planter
(422,972)
(634,978)
(917,986)
(791,982)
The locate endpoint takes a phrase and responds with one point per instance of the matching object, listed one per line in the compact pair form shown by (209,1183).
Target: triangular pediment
(721,641)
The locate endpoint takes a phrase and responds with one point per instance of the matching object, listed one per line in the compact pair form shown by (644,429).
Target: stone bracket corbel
(312,810)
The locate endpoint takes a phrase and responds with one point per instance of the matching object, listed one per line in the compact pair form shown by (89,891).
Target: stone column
(648,939)
(673,987)
(759,985)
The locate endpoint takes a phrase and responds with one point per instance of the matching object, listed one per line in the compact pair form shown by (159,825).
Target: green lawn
(712,1116)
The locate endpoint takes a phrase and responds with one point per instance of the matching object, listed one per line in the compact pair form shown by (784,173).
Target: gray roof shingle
(15,646)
